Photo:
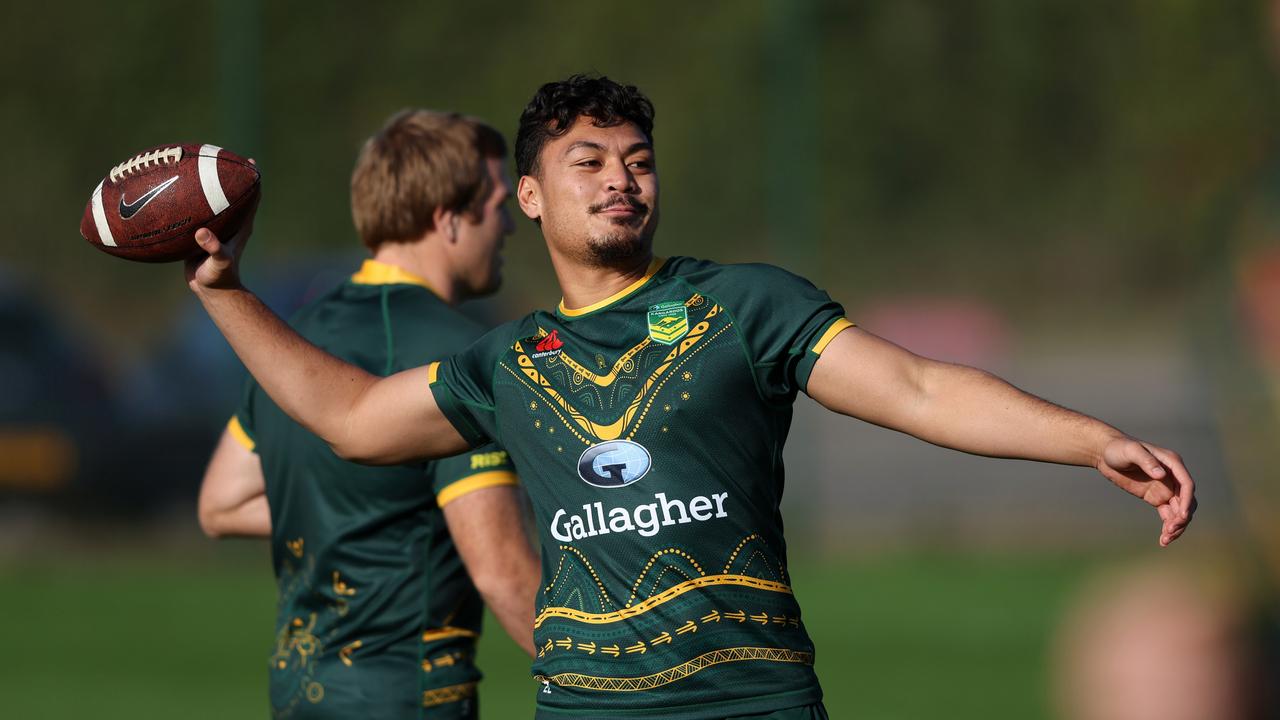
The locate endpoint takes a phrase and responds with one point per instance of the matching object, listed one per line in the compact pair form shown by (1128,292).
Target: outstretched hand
(1155,475)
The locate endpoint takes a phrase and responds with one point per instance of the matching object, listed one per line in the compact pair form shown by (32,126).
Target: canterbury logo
(128,210)
(550,342)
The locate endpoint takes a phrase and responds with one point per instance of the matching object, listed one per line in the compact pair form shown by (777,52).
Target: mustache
(616,201)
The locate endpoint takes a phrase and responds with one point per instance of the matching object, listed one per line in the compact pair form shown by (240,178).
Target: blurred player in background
(377,615)
(648,414)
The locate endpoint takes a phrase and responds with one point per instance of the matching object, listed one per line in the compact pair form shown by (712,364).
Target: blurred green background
(1081,196)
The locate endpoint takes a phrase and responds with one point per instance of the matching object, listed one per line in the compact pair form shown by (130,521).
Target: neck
(425,259)
(585,285)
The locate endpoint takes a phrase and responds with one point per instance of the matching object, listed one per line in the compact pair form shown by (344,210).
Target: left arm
(233,495)
(963,408)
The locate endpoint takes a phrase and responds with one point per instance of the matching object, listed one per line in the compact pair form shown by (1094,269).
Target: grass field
(143,633)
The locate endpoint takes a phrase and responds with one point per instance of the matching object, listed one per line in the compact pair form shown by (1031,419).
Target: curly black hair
(557,105)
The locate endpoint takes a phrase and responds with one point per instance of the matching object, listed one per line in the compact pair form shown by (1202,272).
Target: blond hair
(419,161)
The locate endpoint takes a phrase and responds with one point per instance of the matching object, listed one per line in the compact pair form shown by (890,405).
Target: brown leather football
(149,207)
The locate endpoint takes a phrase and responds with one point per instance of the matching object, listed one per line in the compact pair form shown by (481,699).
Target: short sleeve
(485,467)
(463,387)
(241,425)
(786,324)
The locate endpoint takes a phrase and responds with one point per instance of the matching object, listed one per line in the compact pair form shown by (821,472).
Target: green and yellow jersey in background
(377,617)
(648,429)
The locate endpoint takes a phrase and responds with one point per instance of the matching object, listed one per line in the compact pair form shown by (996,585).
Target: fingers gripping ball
(149,207)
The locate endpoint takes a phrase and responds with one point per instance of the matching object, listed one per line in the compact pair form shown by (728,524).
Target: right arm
(363,418)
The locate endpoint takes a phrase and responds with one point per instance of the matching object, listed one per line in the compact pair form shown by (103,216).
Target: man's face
(596,193)
(479,242)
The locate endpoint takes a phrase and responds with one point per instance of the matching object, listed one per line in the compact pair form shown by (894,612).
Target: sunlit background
(1083,197)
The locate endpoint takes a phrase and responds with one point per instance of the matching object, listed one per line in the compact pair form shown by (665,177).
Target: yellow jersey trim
(237,431)
(373,272)
(654,267)
(433,372)
(470,484)
(836,328)
(670,593)
(679,672)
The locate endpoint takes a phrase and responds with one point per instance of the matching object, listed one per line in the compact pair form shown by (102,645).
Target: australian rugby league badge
(668,322)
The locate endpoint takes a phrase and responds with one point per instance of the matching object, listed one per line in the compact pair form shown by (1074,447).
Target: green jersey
(377,617)
(648,429)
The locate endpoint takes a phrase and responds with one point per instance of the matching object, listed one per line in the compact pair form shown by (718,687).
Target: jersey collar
(654,267)
(373,272)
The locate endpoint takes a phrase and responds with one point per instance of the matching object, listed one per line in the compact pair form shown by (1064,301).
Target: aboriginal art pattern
(626,391)
(297,643)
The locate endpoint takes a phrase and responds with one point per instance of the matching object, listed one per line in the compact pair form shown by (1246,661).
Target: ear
(446,223)
(529,195)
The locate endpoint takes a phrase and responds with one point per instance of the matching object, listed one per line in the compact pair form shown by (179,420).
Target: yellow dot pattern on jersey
(653,558)
(645,412)
(555,577)
(763,558)
(553,409)
(658,579)
(782,571)
(605,601)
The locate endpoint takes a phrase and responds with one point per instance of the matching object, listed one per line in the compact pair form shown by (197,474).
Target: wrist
(207,293)
(1107,439)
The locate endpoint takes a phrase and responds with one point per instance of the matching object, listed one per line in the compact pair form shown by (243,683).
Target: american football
(149,207)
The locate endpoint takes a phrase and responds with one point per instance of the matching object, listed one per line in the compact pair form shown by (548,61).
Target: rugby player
(377,616)
(647,414)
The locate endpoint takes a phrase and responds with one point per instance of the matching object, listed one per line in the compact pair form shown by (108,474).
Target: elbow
(515,582)
(344,452)
(366,451)
(209,523)
(490,584)
(500,587)
(352,446)
(354,453)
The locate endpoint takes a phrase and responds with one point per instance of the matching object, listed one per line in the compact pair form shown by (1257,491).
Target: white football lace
(163,156)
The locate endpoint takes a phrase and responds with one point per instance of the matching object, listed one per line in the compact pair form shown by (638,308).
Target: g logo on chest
(612,464)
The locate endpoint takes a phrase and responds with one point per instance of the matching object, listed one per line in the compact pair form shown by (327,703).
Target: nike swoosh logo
(128,210)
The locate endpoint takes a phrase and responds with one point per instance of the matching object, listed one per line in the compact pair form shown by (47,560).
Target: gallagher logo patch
(668,322)
(612,464)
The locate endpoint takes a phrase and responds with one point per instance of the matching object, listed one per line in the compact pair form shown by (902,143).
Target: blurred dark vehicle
(58,420)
